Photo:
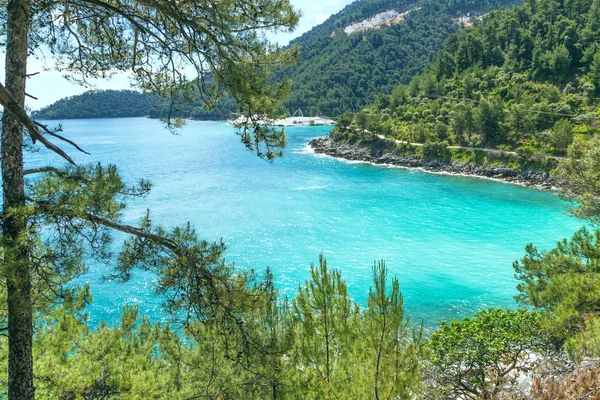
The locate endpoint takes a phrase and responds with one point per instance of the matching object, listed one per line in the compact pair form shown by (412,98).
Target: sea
(451,241)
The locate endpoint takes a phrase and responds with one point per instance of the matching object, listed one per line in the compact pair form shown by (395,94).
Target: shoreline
(382,154)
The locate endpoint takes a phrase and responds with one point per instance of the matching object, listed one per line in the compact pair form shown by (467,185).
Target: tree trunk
(18,277)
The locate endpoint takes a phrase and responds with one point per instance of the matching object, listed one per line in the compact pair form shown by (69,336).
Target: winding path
(495,151)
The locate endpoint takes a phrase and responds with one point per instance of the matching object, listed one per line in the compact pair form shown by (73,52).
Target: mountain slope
(337,71)
(525,79)
(129,103)
(340,72)
(99,104)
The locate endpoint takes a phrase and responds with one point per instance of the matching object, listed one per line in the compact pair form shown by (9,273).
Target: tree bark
(18,276)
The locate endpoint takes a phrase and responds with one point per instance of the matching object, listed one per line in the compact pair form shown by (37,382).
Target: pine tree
(157,42)
(394,346)
(323,311)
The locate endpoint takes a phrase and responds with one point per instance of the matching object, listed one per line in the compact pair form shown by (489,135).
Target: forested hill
(340,71)
(525,79)
(342,66)
(99,104)
(129,103)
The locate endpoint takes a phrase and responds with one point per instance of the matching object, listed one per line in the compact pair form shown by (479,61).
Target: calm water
(450,240)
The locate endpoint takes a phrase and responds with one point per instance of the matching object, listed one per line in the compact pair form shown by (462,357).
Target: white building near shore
(295,120)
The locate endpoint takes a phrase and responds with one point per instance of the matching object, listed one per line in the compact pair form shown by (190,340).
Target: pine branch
(40,170)
(130,230)
(11,105)
(56,135)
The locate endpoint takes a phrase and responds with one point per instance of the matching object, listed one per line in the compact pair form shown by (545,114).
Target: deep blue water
(450,240)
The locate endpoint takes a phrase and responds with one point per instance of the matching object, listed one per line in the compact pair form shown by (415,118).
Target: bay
(450,240)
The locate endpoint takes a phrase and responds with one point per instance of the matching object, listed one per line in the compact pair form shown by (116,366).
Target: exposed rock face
(385,152)
(389,17)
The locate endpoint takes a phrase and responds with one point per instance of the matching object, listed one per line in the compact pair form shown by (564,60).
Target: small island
(129,104)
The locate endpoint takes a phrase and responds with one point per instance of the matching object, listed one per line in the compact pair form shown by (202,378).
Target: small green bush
(436,150)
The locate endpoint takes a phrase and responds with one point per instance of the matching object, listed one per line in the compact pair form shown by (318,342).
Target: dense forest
(99,104)
(338,72)
(345,72)
(525,79)
(335,72)
(241,338)
(130,103)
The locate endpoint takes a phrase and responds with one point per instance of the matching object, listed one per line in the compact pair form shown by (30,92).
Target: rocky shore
(384,152)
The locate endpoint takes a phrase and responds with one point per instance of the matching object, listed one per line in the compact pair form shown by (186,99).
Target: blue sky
(50,86)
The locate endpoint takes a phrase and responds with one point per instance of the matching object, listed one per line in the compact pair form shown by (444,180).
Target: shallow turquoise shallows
(450,240)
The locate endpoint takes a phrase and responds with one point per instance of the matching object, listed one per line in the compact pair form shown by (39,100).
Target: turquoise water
(450,240)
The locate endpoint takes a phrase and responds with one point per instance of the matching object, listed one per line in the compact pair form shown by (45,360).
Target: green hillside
(525,79)
(99,104)
(129,103)
(336,72)
(340,72)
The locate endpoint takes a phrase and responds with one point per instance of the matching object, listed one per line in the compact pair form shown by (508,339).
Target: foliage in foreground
(475,357)
(222,45)
(311,347)
(563,283)
(232,335)
(319,345)
(480,356)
